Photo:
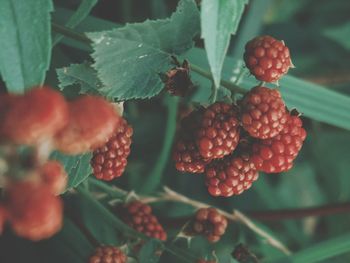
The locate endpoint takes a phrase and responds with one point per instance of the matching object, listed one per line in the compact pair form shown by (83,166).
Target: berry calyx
(277,154)
(54,177)
(108,254)
(218,133)
(263,112)
(34,212)
(109,161)
(92,121)
(35,116)
(267,58)
(186,153)
(231,175)
(209,223)
(139,217)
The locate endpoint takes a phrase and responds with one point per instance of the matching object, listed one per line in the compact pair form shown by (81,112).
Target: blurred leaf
(25,46)
(339,34)
(77,167)
(82,74)
(312,100)
(150,252)
(129,59)
(78,16)
(219,19)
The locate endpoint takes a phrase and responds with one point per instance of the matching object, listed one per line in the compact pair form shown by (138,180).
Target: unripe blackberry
(231,175)
(267,58)
(209,223)
(263,112)
(139,217)
(277,154)
(108,254)
(218,133)
(109,161)
(185,153)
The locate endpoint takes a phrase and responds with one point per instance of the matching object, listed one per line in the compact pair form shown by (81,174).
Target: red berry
(263,112)
(209,223)
(34,212)
(54,176)
(3,217)
(109,161)
(186,154)
(267,58)
(277,154)
(35,116)
(92,121)
(218,133)
(139,217)
(231,175)
(108,254)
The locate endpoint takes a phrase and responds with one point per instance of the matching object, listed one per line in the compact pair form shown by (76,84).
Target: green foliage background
(122,62)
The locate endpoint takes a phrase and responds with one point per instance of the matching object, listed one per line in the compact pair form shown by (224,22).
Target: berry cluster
(231,143)
(209,223)
(108,254)
(139,216)
(43,120)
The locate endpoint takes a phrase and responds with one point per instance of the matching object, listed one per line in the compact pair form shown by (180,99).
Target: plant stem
(70,33)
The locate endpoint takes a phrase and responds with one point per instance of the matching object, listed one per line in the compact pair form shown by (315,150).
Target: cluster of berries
(209,223)
(42,118)
(108,254)
(139,216)
(232,143)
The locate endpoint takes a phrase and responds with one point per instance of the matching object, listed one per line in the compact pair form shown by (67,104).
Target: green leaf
(129,59)
(339,34)
(312,100)
(82,12)
(219,19)
(77,167)
(83,75)
(25,46)
(148,253)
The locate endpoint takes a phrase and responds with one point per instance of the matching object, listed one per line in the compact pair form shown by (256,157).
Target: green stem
(110,190)
(70,33)
(155,176)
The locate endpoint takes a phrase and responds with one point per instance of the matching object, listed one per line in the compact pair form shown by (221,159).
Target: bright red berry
(109,161)
(34,212)
(92,121)
(267,58)
(54,177)
(218,133)
(3,217)
(35,116)
(186,154)
(263,112)
(231,175)
(139,217)
(108,254)
(277,154)
(209,223)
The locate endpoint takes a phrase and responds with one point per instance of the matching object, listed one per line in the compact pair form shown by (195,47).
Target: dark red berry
(108,254)
(277,154)
(139,217)
(109,161)
(218,133)
(3,217)
(209,223)
(267,58)
(186,154)
(263,112)
(231,175)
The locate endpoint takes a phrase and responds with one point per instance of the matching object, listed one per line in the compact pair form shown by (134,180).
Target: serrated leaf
(83,75)
(339,34)
(25,46)
(150,251)
(77,167)
(129,59)
(78,16)
(219,19)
